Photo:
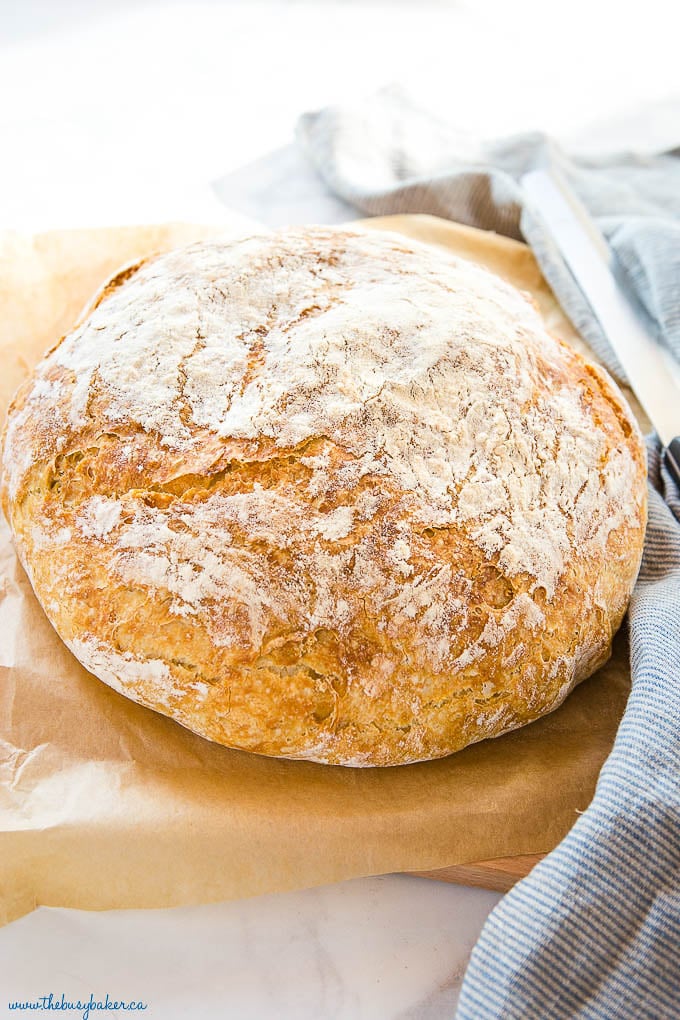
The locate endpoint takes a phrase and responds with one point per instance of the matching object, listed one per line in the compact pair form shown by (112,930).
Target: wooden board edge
(499,874)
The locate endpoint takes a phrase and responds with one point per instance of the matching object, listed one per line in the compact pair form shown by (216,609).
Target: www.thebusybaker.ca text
(83,1007)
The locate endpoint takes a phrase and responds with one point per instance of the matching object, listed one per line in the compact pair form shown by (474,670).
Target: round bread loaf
(326,494)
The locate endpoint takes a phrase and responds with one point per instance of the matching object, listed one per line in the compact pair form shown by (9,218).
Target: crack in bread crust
(326,494)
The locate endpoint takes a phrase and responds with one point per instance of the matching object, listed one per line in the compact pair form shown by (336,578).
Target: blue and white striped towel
(594,931)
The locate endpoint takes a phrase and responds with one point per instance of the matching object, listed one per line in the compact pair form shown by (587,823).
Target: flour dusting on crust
(426,369)
(331,466)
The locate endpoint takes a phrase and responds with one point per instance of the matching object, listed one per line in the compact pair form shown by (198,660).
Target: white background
(121,112)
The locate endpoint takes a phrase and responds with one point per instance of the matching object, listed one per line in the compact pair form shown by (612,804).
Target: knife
(653,372)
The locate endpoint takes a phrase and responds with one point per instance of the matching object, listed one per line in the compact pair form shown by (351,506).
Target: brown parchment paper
(105,804)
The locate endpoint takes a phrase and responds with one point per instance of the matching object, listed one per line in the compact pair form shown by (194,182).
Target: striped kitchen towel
(594,931)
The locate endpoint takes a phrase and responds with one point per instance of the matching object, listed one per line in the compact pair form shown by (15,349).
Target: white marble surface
(140,111)
(372,949)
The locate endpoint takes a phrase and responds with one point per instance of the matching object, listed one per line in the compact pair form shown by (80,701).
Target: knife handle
(672,458)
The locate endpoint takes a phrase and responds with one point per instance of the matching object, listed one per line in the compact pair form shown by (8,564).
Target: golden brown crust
(362,510)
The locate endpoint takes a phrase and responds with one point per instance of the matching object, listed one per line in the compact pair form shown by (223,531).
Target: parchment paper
(104,804)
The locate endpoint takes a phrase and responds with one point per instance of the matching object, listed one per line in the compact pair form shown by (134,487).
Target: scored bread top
(327,494)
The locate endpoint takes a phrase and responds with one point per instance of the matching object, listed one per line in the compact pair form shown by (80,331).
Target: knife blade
(653,372)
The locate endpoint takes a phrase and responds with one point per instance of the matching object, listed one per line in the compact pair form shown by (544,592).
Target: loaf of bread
(326,494)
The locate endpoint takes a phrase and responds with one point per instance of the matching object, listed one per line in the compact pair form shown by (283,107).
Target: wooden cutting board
(499,874)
